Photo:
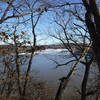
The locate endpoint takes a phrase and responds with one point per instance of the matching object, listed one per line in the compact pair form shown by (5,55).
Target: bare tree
(34,23)
(18,10)
(70,41)
(17,43)
(92,18)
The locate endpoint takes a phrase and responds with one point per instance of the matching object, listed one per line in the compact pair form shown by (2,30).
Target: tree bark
(85,80)
(92,18)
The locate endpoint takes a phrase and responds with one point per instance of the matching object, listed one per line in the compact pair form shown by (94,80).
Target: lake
(44,68)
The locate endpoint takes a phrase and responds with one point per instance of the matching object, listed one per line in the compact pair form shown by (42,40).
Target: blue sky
(44,27)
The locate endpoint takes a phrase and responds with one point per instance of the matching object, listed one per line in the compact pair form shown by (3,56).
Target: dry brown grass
(43,91)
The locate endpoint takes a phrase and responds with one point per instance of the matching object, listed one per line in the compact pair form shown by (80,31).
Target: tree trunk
(84,82)
(92,18)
